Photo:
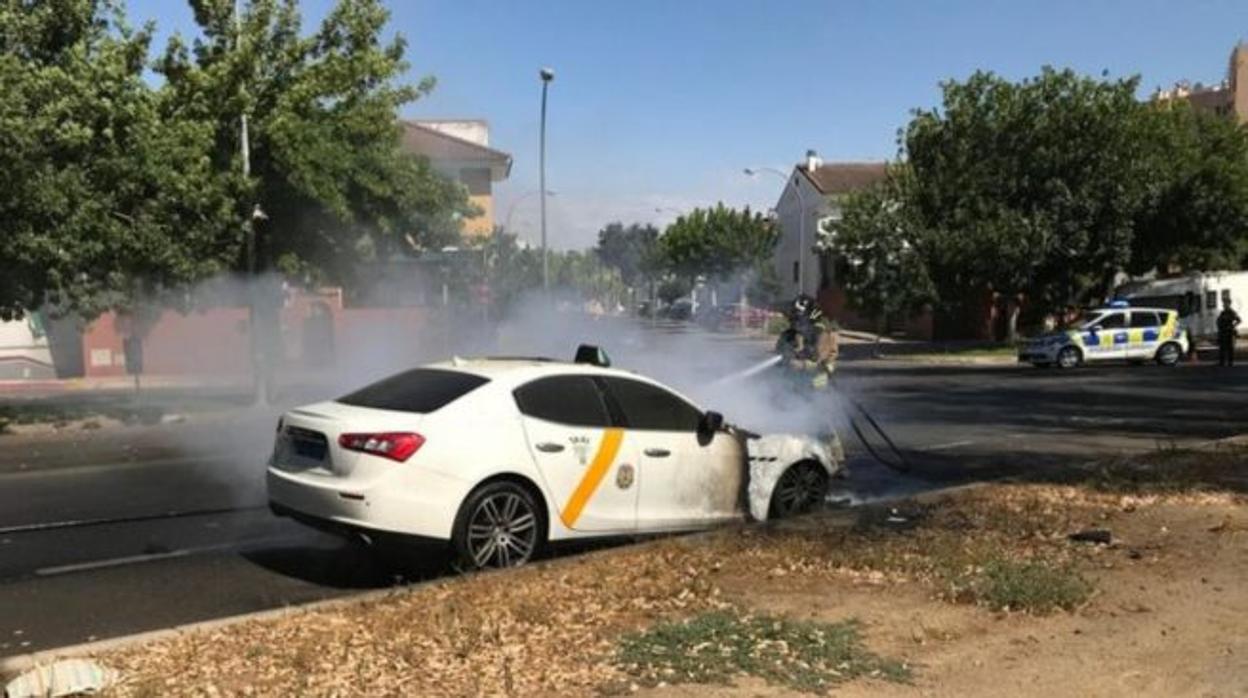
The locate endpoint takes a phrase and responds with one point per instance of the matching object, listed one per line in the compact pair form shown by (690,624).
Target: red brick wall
(215,342)
(836,306)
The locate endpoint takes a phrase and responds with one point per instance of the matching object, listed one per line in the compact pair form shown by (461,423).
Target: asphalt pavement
(123,530)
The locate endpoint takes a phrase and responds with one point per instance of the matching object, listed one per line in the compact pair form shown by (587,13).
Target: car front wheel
(499,525)
(1069,357)
(1169,354)
(801,489)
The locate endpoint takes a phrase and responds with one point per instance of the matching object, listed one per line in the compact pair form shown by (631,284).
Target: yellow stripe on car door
(598,468)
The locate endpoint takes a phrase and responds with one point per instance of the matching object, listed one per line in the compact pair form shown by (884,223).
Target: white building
(810,197)
(24,350)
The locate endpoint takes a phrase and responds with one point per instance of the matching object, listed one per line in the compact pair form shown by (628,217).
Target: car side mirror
(1095,328)
(709,426)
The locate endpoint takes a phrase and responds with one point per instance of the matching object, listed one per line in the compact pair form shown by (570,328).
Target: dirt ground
(1170,623)
(973,592)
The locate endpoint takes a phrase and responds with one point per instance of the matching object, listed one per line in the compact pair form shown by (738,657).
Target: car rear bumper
(422,505)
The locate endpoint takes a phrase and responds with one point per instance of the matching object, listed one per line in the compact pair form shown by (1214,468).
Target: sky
(658,105)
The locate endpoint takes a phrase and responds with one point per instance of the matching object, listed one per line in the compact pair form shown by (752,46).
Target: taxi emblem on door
(624,476)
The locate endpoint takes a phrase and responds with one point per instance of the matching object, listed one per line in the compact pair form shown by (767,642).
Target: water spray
(751,371)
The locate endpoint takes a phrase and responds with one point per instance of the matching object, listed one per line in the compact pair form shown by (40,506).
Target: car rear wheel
(801,488)
(499,525)
(1169,354)
(1069,357)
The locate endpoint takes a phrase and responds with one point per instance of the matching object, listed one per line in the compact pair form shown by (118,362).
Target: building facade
(1228,98)
(459,149)
(812,197)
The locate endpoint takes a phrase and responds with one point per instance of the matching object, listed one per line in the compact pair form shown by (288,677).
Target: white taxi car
(499,456)
(1117,332)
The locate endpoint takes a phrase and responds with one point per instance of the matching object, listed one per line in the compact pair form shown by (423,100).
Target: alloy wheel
(799,490)
(502,531)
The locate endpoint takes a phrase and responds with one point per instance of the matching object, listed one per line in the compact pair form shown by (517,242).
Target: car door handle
(658,452)
(548,447)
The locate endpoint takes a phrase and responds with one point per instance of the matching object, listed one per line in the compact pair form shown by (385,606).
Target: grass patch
(1031,586)
(717,646)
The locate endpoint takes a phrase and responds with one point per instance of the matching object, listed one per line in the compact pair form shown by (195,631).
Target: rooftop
(843,177)
(440,146)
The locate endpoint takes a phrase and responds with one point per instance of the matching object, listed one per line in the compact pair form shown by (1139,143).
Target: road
(123,530)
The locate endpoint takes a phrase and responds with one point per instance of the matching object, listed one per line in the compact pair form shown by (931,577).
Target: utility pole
(547,75)
(258,369)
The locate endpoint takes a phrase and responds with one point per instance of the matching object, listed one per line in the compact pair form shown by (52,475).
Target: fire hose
(900,464)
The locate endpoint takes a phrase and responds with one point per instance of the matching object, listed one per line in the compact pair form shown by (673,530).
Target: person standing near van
(1228,324)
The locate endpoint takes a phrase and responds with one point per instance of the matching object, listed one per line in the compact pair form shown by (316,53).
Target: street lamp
(546,75)
(801,221)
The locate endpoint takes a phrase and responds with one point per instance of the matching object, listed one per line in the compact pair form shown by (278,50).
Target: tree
(104,197)
(1026,189)
(717,243)
(628,249)
(882,270)
(327,167)
(1195,213)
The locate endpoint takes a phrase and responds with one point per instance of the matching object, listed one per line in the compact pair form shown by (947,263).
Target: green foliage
(1026,188)
(716,647)
(717,243)
(116,189)
(674,288)
(632,250)
(105,192)
(1195,213)
(326,163)
(881,270)
(1044,190)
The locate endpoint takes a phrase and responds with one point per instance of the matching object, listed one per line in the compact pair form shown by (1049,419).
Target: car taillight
(397,446)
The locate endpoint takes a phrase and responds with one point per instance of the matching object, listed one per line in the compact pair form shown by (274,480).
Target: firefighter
(809,345)
(1228,322)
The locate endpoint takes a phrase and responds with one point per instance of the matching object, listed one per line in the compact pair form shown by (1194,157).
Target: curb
(936,359)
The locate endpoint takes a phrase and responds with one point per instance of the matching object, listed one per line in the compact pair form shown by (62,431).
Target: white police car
(1117,332)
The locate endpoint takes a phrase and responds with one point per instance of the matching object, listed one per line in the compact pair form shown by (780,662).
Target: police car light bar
(1120,303)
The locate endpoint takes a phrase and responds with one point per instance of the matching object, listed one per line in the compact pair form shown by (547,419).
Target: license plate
(307,444)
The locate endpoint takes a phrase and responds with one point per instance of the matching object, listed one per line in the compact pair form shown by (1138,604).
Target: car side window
(571,400)
(1112,321)
(649,407)
(1143,319)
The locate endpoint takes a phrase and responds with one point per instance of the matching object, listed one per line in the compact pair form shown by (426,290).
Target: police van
(1117,332)
(1199,297)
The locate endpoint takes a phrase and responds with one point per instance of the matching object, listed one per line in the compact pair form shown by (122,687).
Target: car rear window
(421,390)
(1141,318)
